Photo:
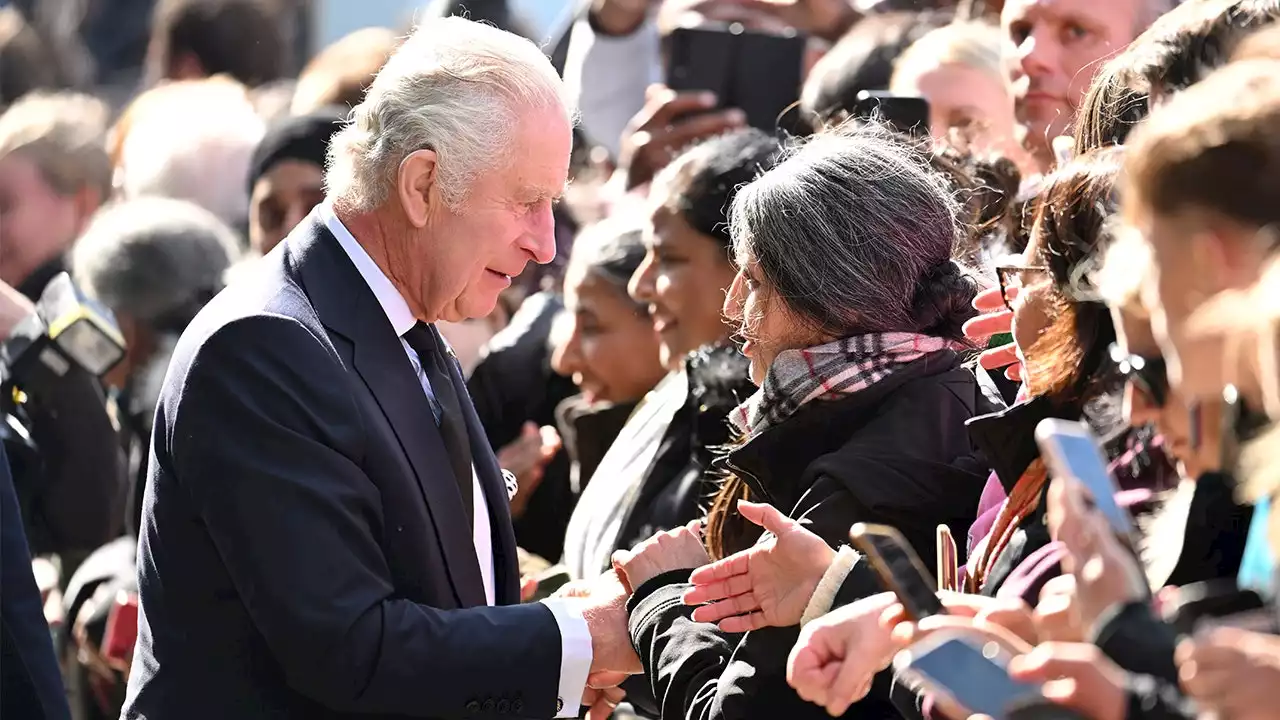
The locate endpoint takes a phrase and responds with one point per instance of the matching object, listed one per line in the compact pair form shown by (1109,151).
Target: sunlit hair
(455,86)
(192,140)
(974,45)
(1213,147)
(64,135)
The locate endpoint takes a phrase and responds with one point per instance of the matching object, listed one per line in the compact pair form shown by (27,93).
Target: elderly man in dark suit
(325,530)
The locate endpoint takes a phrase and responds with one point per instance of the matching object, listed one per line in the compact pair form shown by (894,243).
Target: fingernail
(737,116)
(707,98)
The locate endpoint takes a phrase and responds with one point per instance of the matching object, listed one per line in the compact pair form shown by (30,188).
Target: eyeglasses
(1148,375)
(1012,276)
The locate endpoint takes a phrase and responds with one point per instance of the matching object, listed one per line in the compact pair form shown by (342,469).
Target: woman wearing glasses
(1064,337)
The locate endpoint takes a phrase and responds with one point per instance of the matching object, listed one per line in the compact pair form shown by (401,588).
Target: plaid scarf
(829,372)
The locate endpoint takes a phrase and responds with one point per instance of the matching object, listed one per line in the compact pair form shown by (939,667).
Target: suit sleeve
(267,440)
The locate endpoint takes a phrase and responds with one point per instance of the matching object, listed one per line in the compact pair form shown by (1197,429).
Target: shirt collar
(392,302)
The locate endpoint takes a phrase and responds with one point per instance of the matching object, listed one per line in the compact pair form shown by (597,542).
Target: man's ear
(415,186)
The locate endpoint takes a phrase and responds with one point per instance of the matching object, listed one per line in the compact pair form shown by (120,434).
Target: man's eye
(1018,32)
(1077,32)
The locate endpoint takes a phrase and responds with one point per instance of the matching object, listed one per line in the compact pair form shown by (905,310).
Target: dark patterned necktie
(427,343)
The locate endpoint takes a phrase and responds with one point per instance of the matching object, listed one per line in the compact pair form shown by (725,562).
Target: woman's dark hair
(240,38)
(611,249)
(862,60)
(1067,363)
(854,232)
(701,182)
(987,188)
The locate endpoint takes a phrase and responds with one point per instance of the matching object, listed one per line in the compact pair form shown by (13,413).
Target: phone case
(122,628)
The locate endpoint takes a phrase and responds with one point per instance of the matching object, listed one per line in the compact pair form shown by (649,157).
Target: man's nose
(1038,53)
(540,240)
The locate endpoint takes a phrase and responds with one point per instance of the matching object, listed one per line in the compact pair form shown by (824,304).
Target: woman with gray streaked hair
(154,262)
(850,309)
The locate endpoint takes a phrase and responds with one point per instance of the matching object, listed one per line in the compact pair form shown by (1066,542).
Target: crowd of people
(669,367)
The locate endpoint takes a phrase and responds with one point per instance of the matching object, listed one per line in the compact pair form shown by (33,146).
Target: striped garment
(829,372)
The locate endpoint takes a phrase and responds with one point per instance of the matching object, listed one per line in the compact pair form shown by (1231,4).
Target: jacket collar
(787,449)
(1007,440)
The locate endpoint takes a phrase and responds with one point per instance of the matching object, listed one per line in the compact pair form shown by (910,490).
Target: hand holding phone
(1070,450)
(968,675)
(899,568)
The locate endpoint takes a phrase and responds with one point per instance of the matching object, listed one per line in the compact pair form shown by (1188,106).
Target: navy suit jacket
(305,552)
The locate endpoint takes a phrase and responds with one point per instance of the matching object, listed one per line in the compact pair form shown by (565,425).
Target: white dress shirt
(575,638)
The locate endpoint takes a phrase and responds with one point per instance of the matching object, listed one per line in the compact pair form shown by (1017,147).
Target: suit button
(473,708)
(504,707)
(517,706)
(488,706)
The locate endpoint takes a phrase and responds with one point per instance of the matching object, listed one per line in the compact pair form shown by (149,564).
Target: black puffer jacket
(895,453)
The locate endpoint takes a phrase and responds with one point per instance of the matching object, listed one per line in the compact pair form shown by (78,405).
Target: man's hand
(604,607)
(994,319)
(14,308)
(1106,574)
(766,585)
(838,655)
(677,549)
(1077,676)
(527,457)
(602,701)
(1233,672)
(665,126)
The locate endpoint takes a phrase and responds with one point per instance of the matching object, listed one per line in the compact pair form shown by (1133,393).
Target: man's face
(467,256)
(36,223)
(1052,50)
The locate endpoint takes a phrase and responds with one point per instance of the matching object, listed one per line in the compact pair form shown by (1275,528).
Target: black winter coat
(895,453)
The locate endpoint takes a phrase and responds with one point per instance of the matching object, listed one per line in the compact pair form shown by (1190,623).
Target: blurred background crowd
(1073,203)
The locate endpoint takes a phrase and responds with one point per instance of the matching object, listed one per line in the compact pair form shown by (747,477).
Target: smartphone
(1216,602)
(1070,450)
(968,672)
(948,560)
(122,627)
(758,73)
(907,114)
(899,568)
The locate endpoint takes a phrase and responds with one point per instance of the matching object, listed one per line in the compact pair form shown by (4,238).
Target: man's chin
(470,307)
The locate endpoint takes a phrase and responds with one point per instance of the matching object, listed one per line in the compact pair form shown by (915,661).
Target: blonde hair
(974,45)
(64,134)
(339,74)
(191,140)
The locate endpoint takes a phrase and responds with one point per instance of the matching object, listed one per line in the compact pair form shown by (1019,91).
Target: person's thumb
(766,516)
(530,431)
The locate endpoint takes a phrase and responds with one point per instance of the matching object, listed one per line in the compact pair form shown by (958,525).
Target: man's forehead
(1014,9)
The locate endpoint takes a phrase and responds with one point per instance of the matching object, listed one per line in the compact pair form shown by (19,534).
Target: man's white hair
(454,86)
(193,141)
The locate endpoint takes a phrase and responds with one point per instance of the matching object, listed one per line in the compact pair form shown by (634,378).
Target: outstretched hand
(766,585)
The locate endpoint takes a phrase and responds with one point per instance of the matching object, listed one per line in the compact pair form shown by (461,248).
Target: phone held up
(899,568)
(1070,450)
(758,73)
(906,114)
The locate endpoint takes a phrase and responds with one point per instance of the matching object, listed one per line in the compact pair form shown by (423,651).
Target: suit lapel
(347,306)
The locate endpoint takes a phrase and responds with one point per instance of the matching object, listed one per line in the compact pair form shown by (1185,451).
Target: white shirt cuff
(575,655)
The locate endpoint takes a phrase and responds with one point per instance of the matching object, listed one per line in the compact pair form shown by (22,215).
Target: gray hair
(853,231)
(454,86)
(151,257)
(612,249)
